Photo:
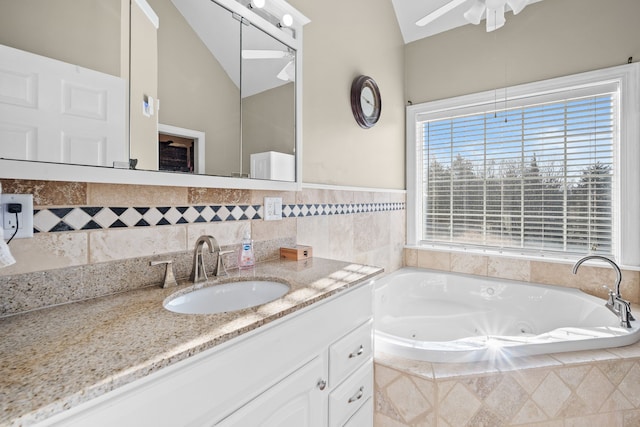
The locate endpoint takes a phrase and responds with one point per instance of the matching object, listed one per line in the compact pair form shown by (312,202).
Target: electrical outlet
(272,208)
(23,220)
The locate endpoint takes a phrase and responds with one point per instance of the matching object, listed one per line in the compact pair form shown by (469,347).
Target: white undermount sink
(227,297)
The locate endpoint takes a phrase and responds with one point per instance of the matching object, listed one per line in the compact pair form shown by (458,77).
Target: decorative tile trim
(98,218)
(313,209)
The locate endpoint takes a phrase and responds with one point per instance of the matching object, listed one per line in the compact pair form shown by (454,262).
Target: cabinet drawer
(363,417)
(349,396)
(350,352)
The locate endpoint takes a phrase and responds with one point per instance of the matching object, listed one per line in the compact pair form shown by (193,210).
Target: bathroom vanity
(302,360)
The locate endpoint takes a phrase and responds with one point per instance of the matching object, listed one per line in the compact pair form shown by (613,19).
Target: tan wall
(268,123)
(343,40)
(86,33)
(143,144)
(548,39)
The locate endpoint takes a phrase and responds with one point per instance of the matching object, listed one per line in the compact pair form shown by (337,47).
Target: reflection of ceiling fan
(493,10)
(287,73)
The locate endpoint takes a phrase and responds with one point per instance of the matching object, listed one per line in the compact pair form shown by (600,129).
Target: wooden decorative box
(296,253)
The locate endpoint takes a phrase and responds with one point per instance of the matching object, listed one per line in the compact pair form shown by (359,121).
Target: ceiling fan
(493,10)
(287,73)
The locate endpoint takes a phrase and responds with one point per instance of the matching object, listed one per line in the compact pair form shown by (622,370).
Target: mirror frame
(23,169)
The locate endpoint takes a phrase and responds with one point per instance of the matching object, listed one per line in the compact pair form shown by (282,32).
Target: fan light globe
(259,4)
(287,20)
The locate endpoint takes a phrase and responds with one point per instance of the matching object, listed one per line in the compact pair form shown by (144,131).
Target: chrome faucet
(199,273)
(620,307)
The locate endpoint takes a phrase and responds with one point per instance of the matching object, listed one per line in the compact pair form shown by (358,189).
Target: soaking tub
(446,317)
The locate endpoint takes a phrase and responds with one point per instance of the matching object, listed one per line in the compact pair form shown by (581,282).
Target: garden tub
(437,316)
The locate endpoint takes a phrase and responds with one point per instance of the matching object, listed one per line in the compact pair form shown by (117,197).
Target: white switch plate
(25,218)
(272,208)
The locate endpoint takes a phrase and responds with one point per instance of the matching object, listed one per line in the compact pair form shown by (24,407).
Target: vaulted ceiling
(410,11)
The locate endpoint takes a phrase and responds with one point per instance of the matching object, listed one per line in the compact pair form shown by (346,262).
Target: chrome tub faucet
(619,306)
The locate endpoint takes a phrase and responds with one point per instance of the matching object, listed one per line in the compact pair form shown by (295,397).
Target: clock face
(366,103)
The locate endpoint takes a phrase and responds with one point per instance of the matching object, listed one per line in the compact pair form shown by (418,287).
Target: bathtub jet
(446,317)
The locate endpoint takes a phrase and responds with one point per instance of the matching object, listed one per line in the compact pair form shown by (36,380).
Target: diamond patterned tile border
(93,217)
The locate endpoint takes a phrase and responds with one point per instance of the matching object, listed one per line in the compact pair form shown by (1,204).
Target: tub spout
(619,306)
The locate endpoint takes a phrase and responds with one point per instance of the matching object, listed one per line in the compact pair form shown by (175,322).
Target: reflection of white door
(53,111)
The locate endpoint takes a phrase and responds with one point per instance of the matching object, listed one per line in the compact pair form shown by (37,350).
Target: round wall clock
(366,103)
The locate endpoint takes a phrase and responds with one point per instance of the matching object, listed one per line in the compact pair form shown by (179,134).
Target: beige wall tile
(110,245)
(313,231)
(205,196)
(470,264)
(340,196)
(226,233)
(271,230)
(371,231)
(384,421)
(341,236)
(435,260)
(398,197)
(411,257)
(135,195)
(288,197)
(509,268)
(384,375)
(458,406)
(48,193)
(407,399)
(395,260)
(46,251)
(378,257)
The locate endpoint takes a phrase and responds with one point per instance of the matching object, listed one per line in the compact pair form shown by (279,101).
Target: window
(540,173)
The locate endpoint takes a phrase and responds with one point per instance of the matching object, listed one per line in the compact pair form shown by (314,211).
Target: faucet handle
(221,269)
(169,276)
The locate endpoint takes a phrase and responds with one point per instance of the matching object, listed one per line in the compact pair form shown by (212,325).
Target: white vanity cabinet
(313,367)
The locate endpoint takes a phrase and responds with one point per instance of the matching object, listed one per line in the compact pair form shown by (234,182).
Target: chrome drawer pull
(357,396)
(357,353)
(322,384)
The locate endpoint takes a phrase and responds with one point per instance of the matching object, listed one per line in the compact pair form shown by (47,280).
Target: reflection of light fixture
(287,20)
(258,4)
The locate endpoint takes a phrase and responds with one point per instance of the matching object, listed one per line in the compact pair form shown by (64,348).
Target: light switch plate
(24,221)
(272,208)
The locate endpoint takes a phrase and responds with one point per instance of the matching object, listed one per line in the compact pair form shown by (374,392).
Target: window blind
(537,177)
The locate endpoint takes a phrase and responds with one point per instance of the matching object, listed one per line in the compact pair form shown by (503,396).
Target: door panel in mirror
(268,106)
(62,96)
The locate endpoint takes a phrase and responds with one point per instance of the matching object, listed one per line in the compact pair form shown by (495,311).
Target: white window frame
(626,232)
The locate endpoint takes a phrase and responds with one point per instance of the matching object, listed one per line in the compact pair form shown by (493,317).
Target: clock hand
(366,100)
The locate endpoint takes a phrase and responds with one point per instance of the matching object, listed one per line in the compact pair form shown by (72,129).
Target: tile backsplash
(95,239)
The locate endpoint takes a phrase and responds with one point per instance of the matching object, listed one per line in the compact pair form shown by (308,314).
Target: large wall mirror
(189,87)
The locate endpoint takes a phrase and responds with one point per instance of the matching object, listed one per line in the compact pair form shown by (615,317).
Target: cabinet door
(295,401)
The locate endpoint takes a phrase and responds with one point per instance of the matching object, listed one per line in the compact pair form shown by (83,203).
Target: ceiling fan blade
(264,54)
(495,18)
(439,12)
(517,5)
(287,74)
(474,14)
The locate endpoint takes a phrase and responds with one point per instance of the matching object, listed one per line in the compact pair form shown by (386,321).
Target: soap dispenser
(247,259)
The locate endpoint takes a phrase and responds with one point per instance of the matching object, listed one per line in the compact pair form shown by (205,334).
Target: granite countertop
(59,357)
